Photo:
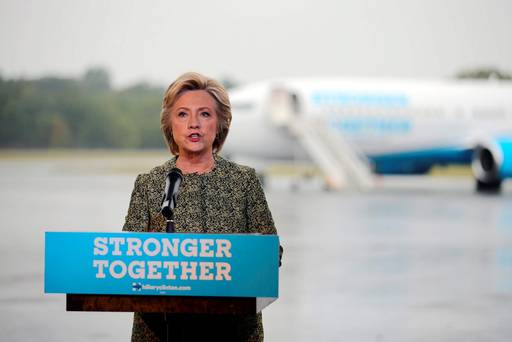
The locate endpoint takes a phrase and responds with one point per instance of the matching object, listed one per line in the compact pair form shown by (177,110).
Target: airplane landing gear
(492,187)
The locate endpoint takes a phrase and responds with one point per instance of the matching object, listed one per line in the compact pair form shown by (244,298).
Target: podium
(169,304)
(159,272)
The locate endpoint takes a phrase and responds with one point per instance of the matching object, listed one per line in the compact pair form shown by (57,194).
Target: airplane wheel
(493,187)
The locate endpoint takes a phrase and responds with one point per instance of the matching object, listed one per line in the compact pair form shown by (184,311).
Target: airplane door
(284,106)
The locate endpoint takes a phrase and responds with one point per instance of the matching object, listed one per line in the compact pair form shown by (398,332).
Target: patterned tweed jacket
(228,199)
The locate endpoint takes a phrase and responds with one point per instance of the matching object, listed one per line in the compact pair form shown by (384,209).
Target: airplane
(362,127)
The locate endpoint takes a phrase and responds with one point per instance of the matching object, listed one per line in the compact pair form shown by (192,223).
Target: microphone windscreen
(172,184)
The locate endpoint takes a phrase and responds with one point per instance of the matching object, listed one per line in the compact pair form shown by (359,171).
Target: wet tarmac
(417,259)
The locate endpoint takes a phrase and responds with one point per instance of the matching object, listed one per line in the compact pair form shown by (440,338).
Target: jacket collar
(171,163)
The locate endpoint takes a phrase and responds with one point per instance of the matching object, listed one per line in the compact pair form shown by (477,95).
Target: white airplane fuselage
(401,126)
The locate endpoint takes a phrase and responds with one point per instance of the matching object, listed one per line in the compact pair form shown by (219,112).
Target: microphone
(172,185)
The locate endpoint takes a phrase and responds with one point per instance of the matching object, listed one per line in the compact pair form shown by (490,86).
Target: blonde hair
(194,81)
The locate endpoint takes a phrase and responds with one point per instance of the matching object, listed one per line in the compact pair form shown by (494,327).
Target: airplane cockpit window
(481,113)
(242,106)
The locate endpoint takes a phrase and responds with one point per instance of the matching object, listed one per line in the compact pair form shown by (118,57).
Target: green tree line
(484,73)
(79,113)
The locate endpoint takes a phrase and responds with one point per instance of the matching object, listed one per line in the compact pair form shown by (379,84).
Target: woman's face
(194,122)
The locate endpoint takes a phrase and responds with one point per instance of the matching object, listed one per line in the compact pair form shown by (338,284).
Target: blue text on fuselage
(342,98)
(375,125)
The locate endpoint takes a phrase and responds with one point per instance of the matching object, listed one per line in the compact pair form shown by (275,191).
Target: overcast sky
(253,40)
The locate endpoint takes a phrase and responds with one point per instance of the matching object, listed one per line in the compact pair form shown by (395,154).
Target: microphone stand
(173,182)
(169,227)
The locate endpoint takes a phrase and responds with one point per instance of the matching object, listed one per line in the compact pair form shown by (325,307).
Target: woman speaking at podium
(215,196)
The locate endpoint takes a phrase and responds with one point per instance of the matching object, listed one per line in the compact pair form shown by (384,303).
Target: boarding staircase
(341,163)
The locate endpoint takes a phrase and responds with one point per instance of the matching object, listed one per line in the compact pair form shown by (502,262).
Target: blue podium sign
(219,265)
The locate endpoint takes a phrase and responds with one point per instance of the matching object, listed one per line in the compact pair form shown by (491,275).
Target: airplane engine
(492,162)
